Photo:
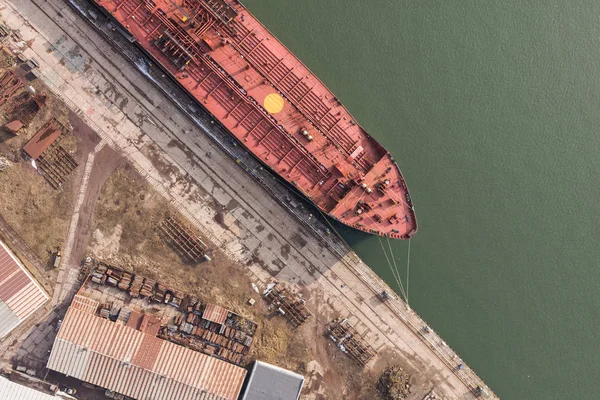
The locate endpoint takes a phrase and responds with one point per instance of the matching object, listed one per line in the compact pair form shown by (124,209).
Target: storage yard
(191,322)
(193,248)
(141,366)
(31,203)
(142,247)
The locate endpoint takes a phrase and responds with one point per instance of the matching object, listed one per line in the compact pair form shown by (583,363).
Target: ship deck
(274,105)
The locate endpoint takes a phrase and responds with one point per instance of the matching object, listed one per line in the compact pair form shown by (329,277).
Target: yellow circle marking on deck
(274,103)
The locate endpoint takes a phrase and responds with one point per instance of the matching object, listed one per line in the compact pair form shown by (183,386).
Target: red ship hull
(273,104)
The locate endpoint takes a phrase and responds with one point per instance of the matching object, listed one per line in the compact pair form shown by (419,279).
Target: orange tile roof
(215,313)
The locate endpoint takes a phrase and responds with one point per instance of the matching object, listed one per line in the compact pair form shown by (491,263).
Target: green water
(492,110)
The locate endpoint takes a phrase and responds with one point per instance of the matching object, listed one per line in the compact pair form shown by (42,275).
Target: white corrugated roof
(8,319)
(13,391)
(136,364)
(20,294)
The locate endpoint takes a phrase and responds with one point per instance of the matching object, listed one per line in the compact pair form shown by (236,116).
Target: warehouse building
(130,359)
(16,390)
(13,391)
(20,294)
(269,382)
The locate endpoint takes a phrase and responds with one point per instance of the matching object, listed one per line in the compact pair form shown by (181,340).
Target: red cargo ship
(269,101)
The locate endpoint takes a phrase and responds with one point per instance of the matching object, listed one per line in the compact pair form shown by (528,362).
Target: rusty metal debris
(55,165)
(6,60)
(4,163)
(4,32)
(27,107)
(14,127)
(44,138)
(350,341)
(184,241)
(229,340)
(291,306)
(9,84)
(53,162)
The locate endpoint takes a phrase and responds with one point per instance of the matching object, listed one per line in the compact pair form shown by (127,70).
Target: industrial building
(129,358)
(10,390)
(17,390)
(269,382)
(20,294)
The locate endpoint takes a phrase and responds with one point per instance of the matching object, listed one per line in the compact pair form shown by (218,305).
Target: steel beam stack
(291,306)
(183,239)
(350,341)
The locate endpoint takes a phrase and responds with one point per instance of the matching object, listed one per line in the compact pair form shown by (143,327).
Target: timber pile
(159,293)
(125,281)
(136,285)
(147,287)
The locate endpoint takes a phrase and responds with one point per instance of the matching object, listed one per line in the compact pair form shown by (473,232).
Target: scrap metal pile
(134,285)
(291,306)
(10,83)
(394,384)
(4,32)
(26,107)
(203,327)
(54,163)
(16,103)
(229,341)
(350,341)
(19,104)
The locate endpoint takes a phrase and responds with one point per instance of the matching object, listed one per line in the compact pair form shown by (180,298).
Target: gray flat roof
(269,382)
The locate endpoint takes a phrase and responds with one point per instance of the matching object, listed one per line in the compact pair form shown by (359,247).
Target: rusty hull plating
(274,105)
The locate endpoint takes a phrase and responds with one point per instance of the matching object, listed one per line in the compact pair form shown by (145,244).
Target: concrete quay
(113,96)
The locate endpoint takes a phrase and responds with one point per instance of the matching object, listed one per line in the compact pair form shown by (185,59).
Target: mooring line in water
(407,269)
(397,278)
(396,267)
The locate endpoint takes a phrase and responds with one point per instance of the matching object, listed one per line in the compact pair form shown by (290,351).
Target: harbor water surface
(492,110)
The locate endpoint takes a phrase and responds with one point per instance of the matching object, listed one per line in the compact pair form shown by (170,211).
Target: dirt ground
(37,212)
(118,223)
(53,108)
(125,230)
(32,208)
(126,217)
